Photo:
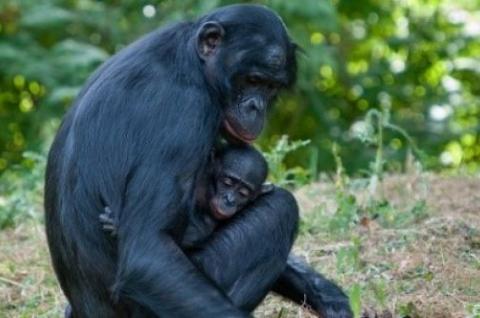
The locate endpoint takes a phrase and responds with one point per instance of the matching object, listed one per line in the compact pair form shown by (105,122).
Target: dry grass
(28,287)
(428,269)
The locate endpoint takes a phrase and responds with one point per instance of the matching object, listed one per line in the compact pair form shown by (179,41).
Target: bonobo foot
(337,311)
(302,284)
(327,299)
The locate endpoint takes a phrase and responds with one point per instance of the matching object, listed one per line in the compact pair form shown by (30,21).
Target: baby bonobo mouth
(218,213)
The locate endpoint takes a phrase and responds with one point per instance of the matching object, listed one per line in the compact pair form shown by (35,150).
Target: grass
(390,262)
(28,287)
(422,266)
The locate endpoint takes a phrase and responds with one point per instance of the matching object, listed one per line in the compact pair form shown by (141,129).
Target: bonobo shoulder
(283,197)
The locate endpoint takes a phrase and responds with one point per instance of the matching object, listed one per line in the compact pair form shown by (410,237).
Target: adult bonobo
(136,140)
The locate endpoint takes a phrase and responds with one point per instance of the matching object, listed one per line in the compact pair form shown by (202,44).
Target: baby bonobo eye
(254,80)
(244,192)
(227,181)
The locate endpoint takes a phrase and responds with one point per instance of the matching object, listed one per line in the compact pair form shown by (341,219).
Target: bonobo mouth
(217,213)
(236,134)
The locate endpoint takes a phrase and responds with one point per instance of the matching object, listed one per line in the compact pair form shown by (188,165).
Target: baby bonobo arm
(109,224)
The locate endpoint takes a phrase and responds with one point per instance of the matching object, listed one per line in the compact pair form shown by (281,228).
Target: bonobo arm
(235,260)
(302,284)
(152,270)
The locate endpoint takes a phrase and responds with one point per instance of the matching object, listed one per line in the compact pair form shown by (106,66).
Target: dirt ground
(429,269)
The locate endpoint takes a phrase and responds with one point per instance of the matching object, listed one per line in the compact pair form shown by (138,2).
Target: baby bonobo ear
(266,188)
(209,37)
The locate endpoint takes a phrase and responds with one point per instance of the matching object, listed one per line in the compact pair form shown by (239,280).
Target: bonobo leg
(245,257)
(302,284)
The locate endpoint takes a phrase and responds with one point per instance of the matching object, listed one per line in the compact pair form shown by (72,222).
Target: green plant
(357,58)
(341,178)
(280,174)
(389,216)
(346,214)
(315,222)
(473,310)
(355,297)
(379,289)
(21,190)
(348,258)
(282,313)
(370,131)
(409,310)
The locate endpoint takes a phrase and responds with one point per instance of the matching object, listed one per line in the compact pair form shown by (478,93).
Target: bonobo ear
(266,188)
(209,37)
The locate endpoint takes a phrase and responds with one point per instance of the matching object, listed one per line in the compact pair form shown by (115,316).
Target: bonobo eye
(227,181)
(244,192)
(273,86)
(254,80)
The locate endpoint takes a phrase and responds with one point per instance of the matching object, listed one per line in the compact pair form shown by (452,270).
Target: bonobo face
(238,178)
(248,58)
(253,89)
(230,196)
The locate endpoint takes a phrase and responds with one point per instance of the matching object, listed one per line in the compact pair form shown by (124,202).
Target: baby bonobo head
(238,176)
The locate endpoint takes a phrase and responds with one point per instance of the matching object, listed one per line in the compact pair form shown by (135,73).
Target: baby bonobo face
(238,179)
(231,195)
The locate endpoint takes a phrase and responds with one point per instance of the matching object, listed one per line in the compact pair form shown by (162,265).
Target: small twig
(11,282)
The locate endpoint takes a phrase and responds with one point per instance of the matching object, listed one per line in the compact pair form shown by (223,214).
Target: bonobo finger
(105,218)
(110,229)
(107,210)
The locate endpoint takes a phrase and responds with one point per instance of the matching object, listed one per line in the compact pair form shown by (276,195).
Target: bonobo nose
(254,104)
(229,199)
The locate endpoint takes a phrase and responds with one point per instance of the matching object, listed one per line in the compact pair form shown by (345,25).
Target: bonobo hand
(108,222)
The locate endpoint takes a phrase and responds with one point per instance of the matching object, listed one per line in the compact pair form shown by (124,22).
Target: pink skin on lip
(234,133)
(217,213)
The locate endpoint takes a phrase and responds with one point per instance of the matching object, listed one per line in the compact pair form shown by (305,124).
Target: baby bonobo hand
(108,222)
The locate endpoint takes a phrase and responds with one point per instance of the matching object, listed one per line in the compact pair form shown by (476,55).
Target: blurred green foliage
(21,190)
(419,58)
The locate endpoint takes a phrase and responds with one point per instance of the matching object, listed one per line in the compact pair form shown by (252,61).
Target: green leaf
(74,54)
(45,16)
(322,12)
(64,94)
(355,300)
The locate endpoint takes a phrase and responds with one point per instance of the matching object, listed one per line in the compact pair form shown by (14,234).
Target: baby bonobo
(235,177)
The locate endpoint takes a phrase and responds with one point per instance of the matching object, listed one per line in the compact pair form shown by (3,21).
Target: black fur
(234,179)
(136,140)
